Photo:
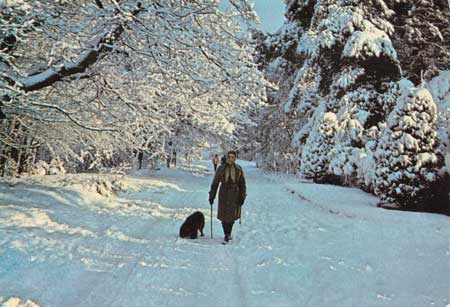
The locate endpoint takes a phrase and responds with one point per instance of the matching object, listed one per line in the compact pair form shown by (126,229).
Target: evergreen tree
(314,159)
(406,160)
(422,36)
(357,58)
(345,153)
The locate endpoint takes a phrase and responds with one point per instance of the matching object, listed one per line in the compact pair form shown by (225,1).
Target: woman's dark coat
(231,194)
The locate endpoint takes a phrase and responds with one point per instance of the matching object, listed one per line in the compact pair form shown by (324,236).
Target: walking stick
(211,220)
(240,217)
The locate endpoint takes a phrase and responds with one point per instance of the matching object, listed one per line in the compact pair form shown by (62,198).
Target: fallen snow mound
(17,302)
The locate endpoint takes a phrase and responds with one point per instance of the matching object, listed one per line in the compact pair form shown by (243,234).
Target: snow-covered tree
(358,58)
(273,150)
(314,159)
(422,36)
(347,148)
(135,74)
(406,157)
(440,89)
(330,48)
(366,164)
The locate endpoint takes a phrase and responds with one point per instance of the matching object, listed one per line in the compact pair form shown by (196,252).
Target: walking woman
(232,193)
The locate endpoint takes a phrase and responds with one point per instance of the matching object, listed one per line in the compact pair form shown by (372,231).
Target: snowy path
(300,244)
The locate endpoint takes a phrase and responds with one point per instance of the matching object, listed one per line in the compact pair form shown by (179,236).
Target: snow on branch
(103,44)
(369,43)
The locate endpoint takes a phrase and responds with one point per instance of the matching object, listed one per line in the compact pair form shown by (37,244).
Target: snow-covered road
(300,244)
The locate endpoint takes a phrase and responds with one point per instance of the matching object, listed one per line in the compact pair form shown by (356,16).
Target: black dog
(193,223)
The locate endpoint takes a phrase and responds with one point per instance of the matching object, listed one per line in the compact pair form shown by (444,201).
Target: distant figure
(174,158)
(215,161)
(223,160)
(140,157)
(139,154)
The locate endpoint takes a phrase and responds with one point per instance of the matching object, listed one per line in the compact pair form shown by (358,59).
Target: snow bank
(105,185)
(42,168)
(18,302)
(12,216)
